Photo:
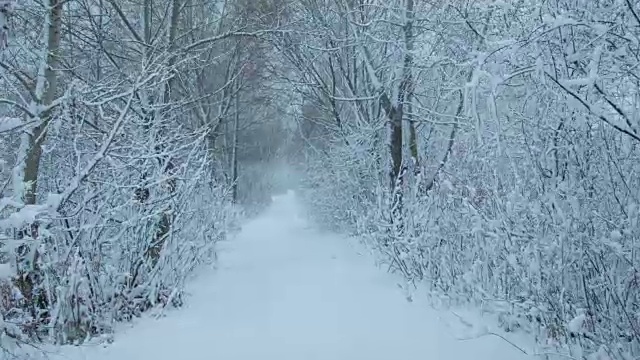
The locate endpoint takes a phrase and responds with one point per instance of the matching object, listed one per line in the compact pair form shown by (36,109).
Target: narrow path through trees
(285,291)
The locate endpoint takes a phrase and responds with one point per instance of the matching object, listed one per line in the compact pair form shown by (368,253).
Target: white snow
(6,272)
(575,325)
(282,291)
(8,123)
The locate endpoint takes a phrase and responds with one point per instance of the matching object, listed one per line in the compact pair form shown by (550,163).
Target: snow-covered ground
(285,291)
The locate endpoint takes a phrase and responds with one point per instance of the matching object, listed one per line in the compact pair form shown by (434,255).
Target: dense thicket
(488,149)
(124,133)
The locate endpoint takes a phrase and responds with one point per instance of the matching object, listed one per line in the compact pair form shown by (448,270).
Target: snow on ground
(285,291)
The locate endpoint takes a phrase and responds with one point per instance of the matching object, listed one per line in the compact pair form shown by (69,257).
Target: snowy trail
(284,291)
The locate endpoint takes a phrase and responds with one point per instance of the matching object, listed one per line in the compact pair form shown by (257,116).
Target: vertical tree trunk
(146,14)
(413,140)
(409,41)
(404,96)
(100,40)
(163,228)
(234,150)
(27,190)
(407,85)
(46,88)
(395,147)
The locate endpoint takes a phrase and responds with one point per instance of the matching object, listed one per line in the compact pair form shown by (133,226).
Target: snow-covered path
(284,291)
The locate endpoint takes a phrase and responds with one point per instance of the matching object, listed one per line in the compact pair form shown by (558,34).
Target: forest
(487,150)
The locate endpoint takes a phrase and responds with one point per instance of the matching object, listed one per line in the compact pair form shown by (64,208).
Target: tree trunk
(163,228)
(46,89)
(395,147)
(28,272)
(407,85)
(405,95)
(234,150)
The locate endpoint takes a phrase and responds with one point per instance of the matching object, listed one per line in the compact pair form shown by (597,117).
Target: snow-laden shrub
(552,257)
(534,214)
(342,192)
(127,214)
